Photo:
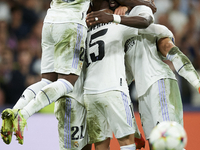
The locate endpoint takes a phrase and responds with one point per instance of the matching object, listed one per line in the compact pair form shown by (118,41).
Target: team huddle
(91,52)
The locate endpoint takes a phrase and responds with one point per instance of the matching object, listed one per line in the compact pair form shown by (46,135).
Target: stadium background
(20,52)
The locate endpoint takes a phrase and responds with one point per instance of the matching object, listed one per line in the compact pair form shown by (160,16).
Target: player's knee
(52,76)
(72,78)
(127,140)
(104,145)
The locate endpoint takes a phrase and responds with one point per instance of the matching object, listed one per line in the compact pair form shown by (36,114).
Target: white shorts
(63,47)
(161,102)
(109,112)
(71,116)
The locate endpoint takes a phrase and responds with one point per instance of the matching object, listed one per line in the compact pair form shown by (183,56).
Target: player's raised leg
(30,93)
(68,72)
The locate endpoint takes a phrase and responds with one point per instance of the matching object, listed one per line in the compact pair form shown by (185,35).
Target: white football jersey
(62,11)
(157,30)
(142,60)
(141,9)
(105,57)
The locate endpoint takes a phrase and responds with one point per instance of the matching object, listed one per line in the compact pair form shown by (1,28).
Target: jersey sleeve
(142,9)
(129,32)
(157,30)
(129,76)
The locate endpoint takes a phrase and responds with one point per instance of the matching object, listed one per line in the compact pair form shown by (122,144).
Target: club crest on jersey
(76,145)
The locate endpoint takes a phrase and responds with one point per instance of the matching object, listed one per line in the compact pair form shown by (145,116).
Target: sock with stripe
(30,93)
(46,96)
(128,147)
(184,67)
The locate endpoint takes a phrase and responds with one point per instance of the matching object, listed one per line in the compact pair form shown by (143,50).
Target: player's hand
(152,1)
(107,11)
(153,6)
(121,10)
(97,17)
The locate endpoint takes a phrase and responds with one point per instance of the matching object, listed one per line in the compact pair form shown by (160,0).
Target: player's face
(113,4)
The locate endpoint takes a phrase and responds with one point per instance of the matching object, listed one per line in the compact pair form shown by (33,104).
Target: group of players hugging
(91,52)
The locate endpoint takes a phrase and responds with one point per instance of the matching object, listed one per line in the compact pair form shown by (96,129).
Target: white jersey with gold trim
(105,57)
(62,11)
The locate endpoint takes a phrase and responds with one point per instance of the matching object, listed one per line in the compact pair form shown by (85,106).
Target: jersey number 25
(101,47)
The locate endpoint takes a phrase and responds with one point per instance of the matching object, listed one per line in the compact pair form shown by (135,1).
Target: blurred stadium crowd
(20,43)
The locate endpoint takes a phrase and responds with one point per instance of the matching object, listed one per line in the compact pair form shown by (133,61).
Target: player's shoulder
(138,9)
(141,7)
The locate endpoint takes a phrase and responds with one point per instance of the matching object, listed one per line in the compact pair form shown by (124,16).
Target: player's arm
(168,49)
(157,30)
(133,3)
(97,17)
(122,10)
(164,45)
(182,64)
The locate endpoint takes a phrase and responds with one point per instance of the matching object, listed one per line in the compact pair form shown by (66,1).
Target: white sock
(128,147)
(46,96)
(30,93)
(184,67)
